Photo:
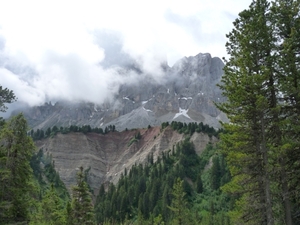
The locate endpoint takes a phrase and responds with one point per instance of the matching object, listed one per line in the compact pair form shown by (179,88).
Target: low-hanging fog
(82,51)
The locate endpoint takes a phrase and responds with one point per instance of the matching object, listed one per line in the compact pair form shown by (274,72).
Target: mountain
(105,157)
(186,92)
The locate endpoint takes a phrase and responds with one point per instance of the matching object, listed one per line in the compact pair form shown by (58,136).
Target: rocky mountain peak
(185,92)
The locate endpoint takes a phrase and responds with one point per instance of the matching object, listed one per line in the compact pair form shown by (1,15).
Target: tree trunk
(285,194)
(268,201)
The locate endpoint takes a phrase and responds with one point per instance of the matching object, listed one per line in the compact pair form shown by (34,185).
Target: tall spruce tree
(16,149)
(82,209)
(51,211)
(247,87)
(286,18)
(261,83)
(179,204)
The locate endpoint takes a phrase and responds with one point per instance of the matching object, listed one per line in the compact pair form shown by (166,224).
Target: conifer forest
(250,176)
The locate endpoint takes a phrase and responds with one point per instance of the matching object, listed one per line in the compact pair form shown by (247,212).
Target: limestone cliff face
(185,92)
(108,155)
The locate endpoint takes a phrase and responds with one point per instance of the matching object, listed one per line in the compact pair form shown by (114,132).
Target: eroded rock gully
(108,155)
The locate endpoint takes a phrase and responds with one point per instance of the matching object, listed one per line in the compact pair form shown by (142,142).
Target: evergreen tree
(52,211)
(48,132)
(247,87)
(215,174)
(199,184)
(261,83)
(16,150)
(82,210)
(179,204)
(6,96)
(287,22)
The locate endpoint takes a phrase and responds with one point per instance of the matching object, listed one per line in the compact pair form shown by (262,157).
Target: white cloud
(52,49)
(22,89)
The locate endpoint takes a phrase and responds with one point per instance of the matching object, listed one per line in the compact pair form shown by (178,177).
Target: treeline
(184,128)
(149,194)
(191,128)
(51,131)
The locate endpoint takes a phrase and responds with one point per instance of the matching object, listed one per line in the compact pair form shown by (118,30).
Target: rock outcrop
(186,92)
(107,156)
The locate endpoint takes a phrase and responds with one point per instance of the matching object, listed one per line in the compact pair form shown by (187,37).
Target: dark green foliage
(82,210)
(16,149)
(86,129)
(215,173)
(164,125)
(25,196)
(179,204)
(147,189)
(50,132)
(6,96)
(190,128)
(261,82)
(135,139)
(52,209)
(138,136)
(199,184)
(44,172)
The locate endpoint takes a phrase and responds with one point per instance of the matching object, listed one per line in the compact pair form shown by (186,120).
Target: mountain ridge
(186,93)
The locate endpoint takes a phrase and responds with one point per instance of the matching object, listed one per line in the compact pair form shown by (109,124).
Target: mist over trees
(32,192)
(6,96)
(251,177)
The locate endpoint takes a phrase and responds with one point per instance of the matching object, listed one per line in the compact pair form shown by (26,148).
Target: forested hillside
(252,176)
(176,189)
(31,190)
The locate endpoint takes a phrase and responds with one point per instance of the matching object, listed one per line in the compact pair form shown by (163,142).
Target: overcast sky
(52,49)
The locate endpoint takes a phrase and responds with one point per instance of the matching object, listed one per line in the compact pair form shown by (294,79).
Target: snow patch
(148,110)
(126,98)
(182,112)
(168,91)
(185,98)
(144,102)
